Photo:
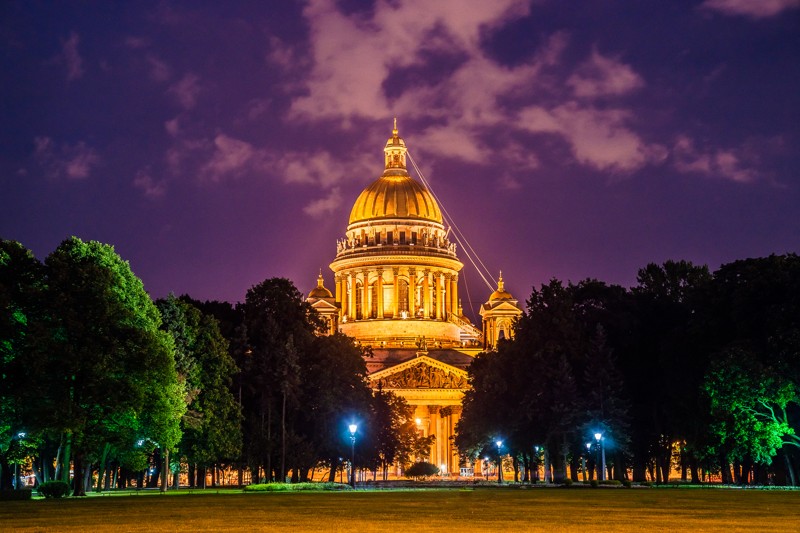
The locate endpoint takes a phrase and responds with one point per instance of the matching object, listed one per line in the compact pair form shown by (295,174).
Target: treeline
(98,379)
(687,370)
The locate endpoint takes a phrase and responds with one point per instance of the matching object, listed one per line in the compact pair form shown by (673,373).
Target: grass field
(417,511)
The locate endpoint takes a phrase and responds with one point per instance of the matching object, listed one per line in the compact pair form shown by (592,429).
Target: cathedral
(396,290)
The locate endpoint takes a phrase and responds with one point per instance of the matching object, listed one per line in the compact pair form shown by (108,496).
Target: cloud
(754,9)
(724,163)
(172,127)
(71,57)
(136,43)
(598,137)
(257,107)
(159,71)
(149,185)
(320,168)
(71,161)
(603,76)
(353,57)
(231,158)
(326,205)
(186,90)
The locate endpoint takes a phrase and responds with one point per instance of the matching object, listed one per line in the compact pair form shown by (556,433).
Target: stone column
(339,298)
(455,416)
(351,297)
(426,295)
(448,308)
(439,282)
(396,305)
(454,294)
(412,292)
(433,425)
(379,292)
(366,308)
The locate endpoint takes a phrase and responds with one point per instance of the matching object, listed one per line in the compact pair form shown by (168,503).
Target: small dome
(320,291)
(500,293)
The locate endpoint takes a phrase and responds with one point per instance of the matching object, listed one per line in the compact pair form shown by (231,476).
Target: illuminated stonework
(396,290)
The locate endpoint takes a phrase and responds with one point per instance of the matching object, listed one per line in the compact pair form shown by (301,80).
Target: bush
(295,487)
(594,484)
(626,483)
(53,489)
(421,470)
(21,494)
(611,483)
(567,482)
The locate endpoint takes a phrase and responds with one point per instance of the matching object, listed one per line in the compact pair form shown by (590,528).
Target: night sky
(217,144)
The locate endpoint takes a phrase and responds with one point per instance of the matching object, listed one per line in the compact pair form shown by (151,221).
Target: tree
(108,364)
(663,369)
(211,423)
(607,411)
(21,284)
(274,312)
(748,406)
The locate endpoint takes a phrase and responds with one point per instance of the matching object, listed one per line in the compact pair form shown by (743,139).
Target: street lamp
(20,436)
(601,457)
(583,459)
(353,428)
(499,444)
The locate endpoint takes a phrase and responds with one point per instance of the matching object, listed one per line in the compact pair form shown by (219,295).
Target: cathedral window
(402,305)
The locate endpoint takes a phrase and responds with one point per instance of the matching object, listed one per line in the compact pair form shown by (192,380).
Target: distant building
(396,290)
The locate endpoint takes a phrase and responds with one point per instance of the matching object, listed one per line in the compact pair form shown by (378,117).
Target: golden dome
(395,194)
(395,197)
(500,293)
(320,291)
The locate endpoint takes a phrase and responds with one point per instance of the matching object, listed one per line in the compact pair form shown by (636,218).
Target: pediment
(323,305)
(502,307)
(422,372)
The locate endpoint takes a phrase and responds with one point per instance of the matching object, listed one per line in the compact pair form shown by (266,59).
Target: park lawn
(417,511)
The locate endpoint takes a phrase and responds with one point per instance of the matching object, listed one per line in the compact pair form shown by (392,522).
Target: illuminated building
(396,290)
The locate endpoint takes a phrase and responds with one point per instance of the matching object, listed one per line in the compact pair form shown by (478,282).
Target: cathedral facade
(396,290)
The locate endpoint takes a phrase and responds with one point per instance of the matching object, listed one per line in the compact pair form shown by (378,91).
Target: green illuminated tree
(107,360)
(749,409)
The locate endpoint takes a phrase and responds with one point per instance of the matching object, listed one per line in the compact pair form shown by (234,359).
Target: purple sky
(216,144)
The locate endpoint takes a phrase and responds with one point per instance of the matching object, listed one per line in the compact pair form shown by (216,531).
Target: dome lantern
(395,151)
(395,194)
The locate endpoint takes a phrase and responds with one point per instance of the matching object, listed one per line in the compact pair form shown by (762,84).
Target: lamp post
(499,444)
(19,437)
(353,428)
(601,457)
(583,459)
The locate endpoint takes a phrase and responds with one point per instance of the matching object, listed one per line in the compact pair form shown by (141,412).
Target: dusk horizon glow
(219,145)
